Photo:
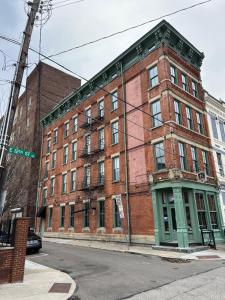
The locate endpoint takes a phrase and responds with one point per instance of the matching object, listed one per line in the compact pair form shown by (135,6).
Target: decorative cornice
(163,33)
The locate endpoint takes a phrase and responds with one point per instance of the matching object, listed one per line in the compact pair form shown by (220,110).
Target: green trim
(184,184)
(163,33)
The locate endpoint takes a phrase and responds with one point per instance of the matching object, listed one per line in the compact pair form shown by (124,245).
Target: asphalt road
(108,275)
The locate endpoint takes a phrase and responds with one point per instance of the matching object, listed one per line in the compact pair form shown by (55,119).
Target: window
(54,160)
(153,76)
(114,100)
(184,82)
(86,214)
(194,88)
(62,216)
(117,220)
(46,169)
(187,210)
(101,139)
(205,161)
(115,132)
(222,132)
(87,141)
(50,209)
(101,172)
(75,124)
(66,129)
(177,110)
(44,196)
(189,118)
(73,181)
(55,136)
(156,114)
(88,118)
(87,176)
(101,205)
(52,186)
(173,74)
(212,211)
(201,210)
(220,164)
(182,154)
(74,151)
(159,156)
(116,168)
(48,146)
(214,127)
(65,154)
(199,122)
(64,183)
(101,108)
(71,223)
(194,159)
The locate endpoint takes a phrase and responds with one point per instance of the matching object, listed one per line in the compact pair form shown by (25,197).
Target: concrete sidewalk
(39,283)
(144,250)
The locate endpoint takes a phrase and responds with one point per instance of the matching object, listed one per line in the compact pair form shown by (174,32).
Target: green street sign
(21,152)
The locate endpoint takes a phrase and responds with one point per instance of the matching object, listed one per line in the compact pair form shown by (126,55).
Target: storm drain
(60,288)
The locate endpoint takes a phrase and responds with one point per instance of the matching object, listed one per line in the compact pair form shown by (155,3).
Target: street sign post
(21,152)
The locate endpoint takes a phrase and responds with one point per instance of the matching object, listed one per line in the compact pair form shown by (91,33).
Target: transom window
(156,114)
(153,76)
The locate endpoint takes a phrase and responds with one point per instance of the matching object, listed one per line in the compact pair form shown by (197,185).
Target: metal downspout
(126,159)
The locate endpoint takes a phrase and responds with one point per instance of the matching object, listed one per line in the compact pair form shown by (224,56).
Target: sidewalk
(144,250)
(39,283)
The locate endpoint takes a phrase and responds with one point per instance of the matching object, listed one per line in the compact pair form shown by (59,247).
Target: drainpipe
(126,159)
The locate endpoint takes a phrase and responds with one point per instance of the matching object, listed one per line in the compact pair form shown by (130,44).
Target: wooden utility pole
(7,125)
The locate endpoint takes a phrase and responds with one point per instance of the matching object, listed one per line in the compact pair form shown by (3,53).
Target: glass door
(169,224)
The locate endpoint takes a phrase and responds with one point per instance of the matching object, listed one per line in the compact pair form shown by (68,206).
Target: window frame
(54,158)
(101,139)
(117,223)
(50,215)
(65,154)
(195,164)
(157,116)
(74,150)
(55,136)
(184,80)
(75,124)
(189,117)
(195,89)
(64,183)
(178,118)
(173,77)
(101,213)
(72,216)
(205,160)
(86,215)
(66,129)
(159,160)
(115,132)
(220,163)
(52,186)
(200,122)
(62,216)
(114,100)
(101,108)
(182,156)
(153,78)
(101,172)
(116,169)
(73,180)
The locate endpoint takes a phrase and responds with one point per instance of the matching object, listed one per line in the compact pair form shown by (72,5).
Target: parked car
(34,242)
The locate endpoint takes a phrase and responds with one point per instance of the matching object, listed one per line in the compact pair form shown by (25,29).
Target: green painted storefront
(182,208)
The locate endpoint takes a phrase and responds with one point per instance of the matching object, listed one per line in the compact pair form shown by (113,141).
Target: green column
(182,231)
(156,218)
(220,215)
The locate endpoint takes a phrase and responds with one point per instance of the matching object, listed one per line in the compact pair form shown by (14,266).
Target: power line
(54,7)
(129,28)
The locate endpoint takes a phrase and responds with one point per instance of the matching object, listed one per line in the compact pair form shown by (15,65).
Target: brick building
(216,120)
(127,157)
(45,88)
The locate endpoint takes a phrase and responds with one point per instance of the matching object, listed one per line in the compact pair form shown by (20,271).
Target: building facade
(216,119)
(128,156)
(45,88)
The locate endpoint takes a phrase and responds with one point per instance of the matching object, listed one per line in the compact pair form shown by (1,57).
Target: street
(101,274)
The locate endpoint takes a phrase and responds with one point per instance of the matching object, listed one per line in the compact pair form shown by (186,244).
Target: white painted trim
(181,139)
(101,199)
(75,116)
(154,99)
(88,107)
(87,165)
(115,154)
(48,139)
(101,159)
(100,127)
(62,204)
(72,203)
(102,98)
(113,91)
(114,120)
(65,145)
(158,140)
(50,206)
(74,141)
(86,200)
(64,172)
(66,122)
(74,169)
(49,132)
(53,176)
(56,128)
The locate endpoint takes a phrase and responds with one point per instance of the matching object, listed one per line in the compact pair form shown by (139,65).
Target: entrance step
(173,248)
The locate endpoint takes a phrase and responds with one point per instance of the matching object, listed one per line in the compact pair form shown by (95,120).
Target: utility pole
(7,125)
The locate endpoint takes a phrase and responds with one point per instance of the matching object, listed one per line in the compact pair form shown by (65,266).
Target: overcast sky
(203,26)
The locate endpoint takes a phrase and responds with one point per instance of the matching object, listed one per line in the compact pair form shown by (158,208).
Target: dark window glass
(184,82)
(71,224)
(50,209)
(62,216)
(101,213)
(153,76)
(156,114)
(117,220)
(159,156)
(114,100)
(86,214)
(201,210)
(213,211)
(101,108)
(115,132)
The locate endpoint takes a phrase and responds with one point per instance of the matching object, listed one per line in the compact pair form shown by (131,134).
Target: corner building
(137,131)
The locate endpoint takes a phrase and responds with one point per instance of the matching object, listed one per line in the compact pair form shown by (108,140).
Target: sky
(87,20)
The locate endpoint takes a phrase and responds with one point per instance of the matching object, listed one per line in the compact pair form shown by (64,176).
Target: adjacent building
(127,157)
(216,119)
(46,86)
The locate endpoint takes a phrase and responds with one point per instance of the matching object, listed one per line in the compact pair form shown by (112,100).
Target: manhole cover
(207,256)
(60,288)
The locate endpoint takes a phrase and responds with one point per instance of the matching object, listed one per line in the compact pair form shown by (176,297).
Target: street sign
(21,152)
(120,205)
